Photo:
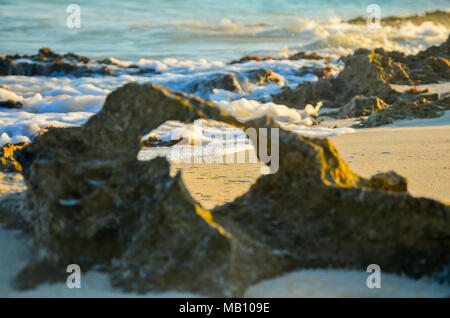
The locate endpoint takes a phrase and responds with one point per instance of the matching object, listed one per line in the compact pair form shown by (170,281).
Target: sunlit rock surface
(91,202)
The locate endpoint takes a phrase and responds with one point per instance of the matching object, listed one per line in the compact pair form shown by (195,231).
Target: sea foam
(62,101)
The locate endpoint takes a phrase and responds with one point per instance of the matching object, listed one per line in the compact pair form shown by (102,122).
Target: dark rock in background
(370,73)
(363,106)
(248,58)
(363,75)
(265,77)
(424,106)
(47,62)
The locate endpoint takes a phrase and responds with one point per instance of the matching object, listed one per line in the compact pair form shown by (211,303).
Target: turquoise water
(210,29)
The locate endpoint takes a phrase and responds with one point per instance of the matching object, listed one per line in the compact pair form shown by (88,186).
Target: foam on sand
(218,139)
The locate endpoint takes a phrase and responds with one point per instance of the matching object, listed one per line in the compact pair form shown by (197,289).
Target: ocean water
(188,44)
(210,29)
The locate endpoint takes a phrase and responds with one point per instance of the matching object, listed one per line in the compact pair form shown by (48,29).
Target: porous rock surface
(91,202)
(363,106)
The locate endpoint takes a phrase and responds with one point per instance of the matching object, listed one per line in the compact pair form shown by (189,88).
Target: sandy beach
(418,153)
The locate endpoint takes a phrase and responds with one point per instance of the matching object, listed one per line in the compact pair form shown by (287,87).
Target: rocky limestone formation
(176,245)
(306,56)
(362,106)
(429,66)
(319,72)
(249,58)
(47,62)
(390,70)
(91,202)
(237,83)
(423,106)
(265,77)
(296,56)
(7,161)
(85,207)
